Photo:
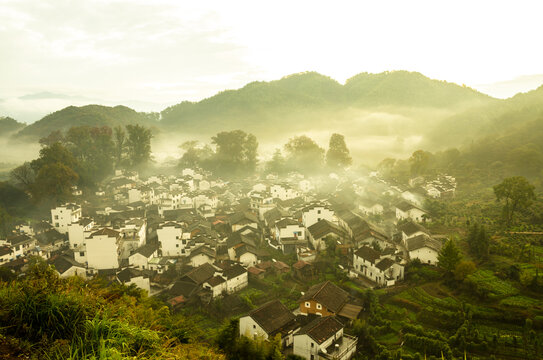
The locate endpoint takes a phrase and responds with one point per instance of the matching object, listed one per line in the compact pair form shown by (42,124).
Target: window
(319,306)
(318,211)
(307,304)
(56,217)
(81,253)
(56,225)
(176,245)
(254,326)
(312,345)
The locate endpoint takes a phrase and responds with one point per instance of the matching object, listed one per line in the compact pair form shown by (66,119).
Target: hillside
(306,97)
(9,125)
(89,115)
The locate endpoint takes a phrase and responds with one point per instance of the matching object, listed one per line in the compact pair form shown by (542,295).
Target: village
(196,239)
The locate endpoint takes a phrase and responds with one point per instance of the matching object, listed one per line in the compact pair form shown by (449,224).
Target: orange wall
(312,309)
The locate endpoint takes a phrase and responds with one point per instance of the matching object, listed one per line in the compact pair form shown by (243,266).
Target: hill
(311,99)
(9,125)
(89,115)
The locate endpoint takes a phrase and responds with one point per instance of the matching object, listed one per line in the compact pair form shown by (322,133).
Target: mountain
(9,125)
(89,115)
(299,101)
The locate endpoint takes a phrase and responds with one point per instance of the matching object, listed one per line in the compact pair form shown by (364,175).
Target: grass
(487,283)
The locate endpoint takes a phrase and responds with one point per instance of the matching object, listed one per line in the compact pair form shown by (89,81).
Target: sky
(152,54)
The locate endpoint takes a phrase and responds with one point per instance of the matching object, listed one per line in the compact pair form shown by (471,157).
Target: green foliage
(478,241)
(517,193)
(236,153)
(138,145)
(419,162)
(54,183)
(338,156)
(486,285)
(449,256)
(464,269)
(71,319)
(304,155)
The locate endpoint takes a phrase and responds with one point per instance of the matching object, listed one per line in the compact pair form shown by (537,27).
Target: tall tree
(236,153)
(449,256)
(119,138)
(419,162)
(23,175)
(277,164)
(54,183)
(517,193)
(304,155)
(478,241)
(138,144)
(53,137)
(338,156)
(54,153)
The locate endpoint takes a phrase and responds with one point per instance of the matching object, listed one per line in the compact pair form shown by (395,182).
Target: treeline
(235,154)
(82,156)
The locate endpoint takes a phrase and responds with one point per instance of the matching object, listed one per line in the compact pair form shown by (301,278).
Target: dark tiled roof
(106,231)
(421,241)
(384,264)
(216,280)
(242,217)
(201,274)
(184,288)
(147,250)
(234,271)
(126,274)
(285,222)
(410,228)
(18,239)
(4,250)
(328,294)
(406,206)
(272,316)
(50,236)
(64,263)
(321,329)
(367,253)
(323,228)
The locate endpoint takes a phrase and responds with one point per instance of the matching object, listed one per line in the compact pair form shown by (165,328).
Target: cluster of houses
(193,237)
(315,330)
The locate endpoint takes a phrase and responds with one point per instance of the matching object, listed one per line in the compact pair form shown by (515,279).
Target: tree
(196,155)
(93,148)
(138,144)
(463,269)
(53,137)
(6,222)
(478,241)
(52,154)
(449,256)
(54,183)
(236,153)
(419,162)
(23,175)
(338,156)
(304,155)
(119,139)
(517,193)
(277,164)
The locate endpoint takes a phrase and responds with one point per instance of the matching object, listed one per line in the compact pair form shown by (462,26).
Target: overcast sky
(149,54)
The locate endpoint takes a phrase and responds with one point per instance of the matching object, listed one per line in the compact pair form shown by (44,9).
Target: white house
(137,277)
(269,320)
(172,242)
(318,232)
(283,192)
(64,215)
(79,231)
(101,249)
(67,267)
(370,207)
(141,257)
(405,210)
(424,248)
(377,267)
(323,338)
(315,212)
